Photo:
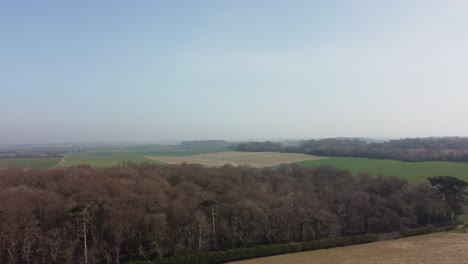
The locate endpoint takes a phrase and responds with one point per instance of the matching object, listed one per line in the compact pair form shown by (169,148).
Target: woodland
(135,212)
(409,149)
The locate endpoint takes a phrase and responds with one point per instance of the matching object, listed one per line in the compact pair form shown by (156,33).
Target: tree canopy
(453,192)
(409,149)
(147,211)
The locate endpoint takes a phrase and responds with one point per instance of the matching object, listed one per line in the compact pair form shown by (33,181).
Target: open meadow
(412,171)
(104,157)
(29,163)
(437,248)
(67,161)
(254,159)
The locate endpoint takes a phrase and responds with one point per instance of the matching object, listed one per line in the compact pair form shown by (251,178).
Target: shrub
(262,251)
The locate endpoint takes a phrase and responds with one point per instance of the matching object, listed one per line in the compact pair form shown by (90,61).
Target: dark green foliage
(416,231)
(262,251)
(429,229)
(277,249)
(260,146)
(453,193)
(203,144)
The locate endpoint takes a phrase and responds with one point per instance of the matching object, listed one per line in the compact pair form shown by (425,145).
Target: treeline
(263,146)
(146,211)
(204,144)
(218,257)
(409,149)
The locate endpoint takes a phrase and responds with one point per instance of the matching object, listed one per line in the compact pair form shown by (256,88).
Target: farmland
(416,172)
(254,159)
(438,248)
(49,163)
(23,163)
(412,171)
(107,157)
(101,157)
(148,150)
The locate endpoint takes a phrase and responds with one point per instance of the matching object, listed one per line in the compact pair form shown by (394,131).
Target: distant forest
(147,211)
(204,144)
(409,149)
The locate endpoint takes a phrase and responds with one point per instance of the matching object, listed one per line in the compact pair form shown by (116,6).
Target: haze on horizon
(171,70)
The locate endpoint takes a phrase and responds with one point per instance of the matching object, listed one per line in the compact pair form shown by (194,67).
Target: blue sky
(170,70)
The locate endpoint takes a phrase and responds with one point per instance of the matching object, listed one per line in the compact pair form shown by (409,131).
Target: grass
(33,163)
(412,171)
(101,158)
(93,161)
(173,151)
(105,157)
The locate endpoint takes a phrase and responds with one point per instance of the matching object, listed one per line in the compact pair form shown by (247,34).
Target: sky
(109,70)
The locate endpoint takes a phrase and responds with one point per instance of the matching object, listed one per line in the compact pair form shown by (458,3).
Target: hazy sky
(167,70)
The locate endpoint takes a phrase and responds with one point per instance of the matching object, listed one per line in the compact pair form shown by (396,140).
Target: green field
(412,171)
(104,157)
(93,161)
(37,163)
(141,151)
(173,151)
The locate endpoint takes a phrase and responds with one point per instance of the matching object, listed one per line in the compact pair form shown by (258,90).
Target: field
(48,163)
(437,248)
(37,163)
(255,159)
(104,157)
(150,150)
(412,171)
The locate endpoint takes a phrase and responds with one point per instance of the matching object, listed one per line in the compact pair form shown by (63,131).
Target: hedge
(261,251)
(416,231)
(429,229)
(216,257)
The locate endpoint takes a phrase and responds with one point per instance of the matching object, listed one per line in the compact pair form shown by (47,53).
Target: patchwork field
(255,159)
(438,248)
(412,171)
